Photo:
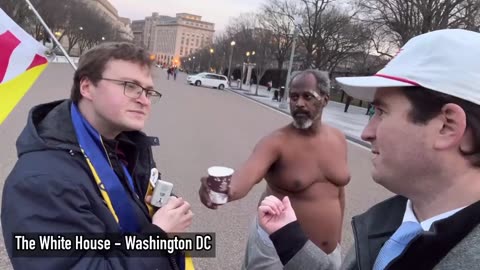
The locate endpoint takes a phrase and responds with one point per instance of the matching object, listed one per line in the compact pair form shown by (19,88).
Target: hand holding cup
(214,188)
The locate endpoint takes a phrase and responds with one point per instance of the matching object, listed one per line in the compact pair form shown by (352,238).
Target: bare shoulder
(274,139)
(336,136)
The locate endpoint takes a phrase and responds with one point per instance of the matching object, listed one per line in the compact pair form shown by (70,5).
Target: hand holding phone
(161,193)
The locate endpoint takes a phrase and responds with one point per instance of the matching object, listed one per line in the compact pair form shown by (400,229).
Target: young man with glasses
(84,167)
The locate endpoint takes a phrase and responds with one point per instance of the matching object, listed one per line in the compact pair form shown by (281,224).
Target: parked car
(209,80)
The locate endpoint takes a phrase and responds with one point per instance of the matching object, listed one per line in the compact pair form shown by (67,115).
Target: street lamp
(103,38)
(232,44)
(298,21)
(248,55)
(210,59)
(81,28)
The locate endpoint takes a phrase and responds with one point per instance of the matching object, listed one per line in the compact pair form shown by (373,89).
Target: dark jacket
(452,243)
(51,190)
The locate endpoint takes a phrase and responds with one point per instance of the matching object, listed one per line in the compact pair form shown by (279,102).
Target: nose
(300,103)
(370,130)
(143,99)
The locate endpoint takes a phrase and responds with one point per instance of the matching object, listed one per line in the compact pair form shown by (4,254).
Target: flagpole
(52,36)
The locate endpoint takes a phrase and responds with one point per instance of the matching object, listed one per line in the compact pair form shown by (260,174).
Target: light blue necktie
(397,243)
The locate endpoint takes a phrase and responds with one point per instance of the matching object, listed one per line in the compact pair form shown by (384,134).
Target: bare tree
(264,53)
(398,21)
(51,11)
(74,29)
(274,18)
(338,37)
(96,29)
(18,11)
(242,30)
(311,11)
(222,49)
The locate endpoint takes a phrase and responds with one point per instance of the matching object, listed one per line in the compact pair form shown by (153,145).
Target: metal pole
(284,105)
(241,75)
(209,63)
(230,65)
(51,34)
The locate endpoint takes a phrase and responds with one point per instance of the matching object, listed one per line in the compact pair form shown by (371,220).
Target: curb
(349,138)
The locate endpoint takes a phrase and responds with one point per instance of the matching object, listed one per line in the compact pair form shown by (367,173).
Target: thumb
(286,202)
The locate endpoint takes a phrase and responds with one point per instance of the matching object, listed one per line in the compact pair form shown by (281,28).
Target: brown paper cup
(218,181)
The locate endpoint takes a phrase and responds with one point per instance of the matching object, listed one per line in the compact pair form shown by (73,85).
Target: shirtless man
(306,161)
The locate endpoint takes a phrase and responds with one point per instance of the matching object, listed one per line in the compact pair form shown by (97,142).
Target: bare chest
(301,167)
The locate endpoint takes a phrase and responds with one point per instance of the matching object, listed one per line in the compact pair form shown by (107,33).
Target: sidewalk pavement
(350,123)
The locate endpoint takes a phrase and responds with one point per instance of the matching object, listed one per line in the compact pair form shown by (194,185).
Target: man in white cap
(425,138)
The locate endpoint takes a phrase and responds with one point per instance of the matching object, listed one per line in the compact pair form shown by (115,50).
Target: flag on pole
(22,60)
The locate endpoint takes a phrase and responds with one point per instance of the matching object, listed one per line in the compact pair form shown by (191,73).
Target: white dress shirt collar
(426,224)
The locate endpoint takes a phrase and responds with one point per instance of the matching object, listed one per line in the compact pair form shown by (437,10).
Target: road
(198,127)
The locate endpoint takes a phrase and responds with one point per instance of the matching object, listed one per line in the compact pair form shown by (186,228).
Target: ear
(326,98)
(453,122)
(86,88)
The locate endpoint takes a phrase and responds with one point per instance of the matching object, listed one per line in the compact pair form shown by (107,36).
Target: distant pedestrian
(269,86)
(347,103)
(275,95)
(175,74)
(282,93)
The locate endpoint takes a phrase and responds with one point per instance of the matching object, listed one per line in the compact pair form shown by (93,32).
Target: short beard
(305,125)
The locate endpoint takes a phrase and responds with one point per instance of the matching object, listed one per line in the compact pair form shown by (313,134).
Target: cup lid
(220,171)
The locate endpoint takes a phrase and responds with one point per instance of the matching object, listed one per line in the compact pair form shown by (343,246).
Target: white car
(209,80)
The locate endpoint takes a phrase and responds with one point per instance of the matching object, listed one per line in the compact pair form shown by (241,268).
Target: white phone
(161,193)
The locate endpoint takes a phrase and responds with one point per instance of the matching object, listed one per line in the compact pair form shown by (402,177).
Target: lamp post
(253,54)
(210,59)
(297,22)
(232,44)
(248,53)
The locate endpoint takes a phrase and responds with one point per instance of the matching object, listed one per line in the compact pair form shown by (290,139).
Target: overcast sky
(215,11)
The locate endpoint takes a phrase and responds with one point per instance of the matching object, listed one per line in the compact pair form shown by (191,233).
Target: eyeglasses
(134,90)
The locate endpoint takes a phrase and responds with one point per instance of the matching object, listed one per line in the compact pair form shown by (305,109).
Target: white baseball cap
(446,61)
